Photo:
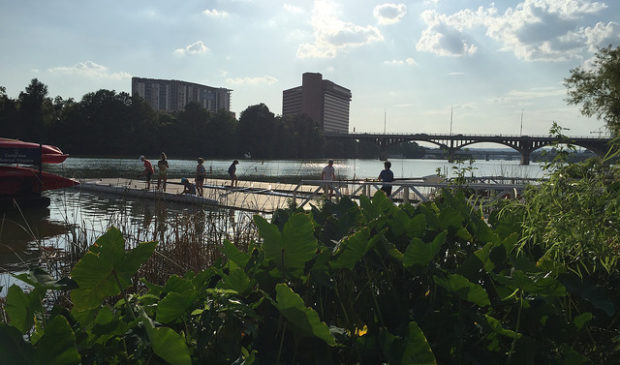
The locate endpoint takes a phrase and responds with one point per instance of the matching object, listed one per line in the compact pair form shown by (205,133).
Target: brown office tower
(322,100)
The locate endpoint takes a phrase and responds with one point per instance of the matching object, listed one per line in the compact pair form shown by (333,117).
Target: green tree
(35,112)
(257,127)
(597,90)
(222,134)
(8,115)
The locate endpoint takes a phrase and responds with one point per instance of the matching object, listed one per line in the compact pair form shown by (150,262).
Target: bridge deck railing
(460,135)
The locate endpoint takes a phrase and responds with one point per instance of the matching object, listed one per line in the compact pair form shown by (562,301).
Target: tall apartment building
(322,100)
(174,95)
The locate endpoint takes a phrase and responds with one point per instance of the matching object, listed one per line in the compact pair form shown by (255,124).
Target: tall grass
(189,239)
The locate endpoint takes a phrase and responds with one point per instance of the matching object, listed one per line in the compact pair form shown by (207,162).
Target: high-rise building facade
(174,95)
(322,100)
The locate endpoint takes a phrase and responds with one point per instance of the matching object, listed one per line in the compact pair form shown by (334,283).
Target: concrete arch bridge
(525,145)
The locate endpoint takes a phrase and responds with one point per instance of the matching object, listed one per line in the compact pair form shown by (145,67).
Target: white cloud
(389,13)
(602,35)
(407,61)
(91,70)
(514,96)
(534,30)
(292,8)
(197,47)
(258,80)
(456,74)
(332,35)
(444,35)
(214,13)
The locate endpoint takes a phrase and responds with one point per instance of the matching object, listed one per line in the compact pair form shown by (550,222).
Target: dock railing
(414,189)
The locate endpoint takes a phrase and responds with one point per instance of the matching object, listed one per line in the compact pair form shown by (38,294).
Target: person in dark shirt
(232,172)
(201,173)
(387,176)
(188,187)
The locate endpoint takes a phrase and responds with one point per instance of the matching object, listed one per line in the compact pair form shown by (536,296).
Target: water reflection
(76,218)
(24,235)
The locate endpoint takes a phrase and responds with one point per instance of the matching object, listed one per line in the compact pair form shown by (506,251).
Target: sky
(424,66)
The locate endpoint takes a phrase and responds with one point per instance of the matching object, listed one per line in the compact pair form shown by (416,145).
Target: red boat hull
(49,154)
(16,181)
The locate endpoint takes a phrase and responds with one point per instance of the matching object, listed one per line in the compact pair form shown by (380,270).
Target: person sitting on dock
(232,173)
(387,176)
(201,173)
(329,174)
(188,187)
(162,165)
(148,171)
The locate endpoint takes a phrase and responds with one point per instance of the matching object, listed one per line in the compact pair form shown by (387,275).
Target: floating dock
(267,197)
(248,195)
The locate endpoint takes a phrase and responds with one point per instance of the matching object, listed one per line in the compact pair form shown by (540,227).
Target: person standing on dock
(201,173)
(162,174)
(387,176)
(148,171)
(232,171)
(329,174)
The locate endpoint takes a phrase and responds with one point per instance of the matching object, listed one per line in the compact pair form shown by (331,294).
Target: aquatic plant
(344,284)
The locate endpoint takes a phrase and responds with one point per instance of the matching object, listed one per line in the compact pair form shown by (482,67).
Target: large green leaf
(291,248)
(166,343)
(416,226)
(57,345)
(417,350)
(21,307)
(450,217)
(235,255)
(464,288)
(484,255)
(236,280)
(104,267)
(588,290)
(398,222)
(13,348)
(353,248)
(177,284)
(301,317)
(170,346)
(108,324)
(419,253)
(174,305)
(533,283)
(497,327)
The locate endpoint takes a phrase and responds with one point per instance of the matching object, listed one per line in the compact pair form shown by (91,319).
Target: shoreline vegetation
(523,282)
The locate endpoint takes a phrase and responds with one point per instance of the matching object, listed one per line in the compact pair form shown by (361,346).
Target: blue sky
(408,63)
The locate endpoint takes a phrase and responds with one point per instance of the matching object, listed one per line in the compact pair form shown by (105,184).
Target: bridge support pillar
(525,157)
(451,155)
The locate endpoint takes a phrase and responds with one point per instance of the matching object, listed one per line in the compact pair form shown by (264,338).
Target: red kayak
(17,181)
(14,149)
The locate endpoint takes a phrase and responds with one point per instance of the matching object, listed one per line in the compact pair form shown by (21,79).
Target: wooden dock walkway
(248,195)
(267,197)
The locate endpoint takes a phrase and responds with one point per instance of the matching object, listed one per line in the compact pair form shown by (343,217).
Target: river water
(76,218)
(291,170)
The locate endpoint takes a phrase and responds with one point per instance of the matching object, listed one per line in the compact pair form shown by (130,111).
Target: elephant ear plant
(436,283)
